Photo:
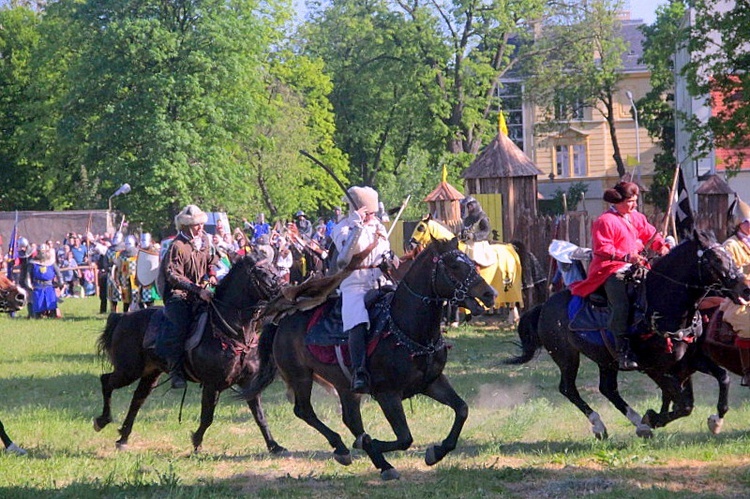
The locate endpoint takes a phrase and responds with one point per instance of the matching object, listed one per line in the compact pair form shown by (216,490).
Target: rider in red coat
(618,237)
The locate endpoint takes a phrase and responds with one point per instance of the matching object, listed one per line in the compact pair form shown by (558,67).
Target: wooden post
(668,216)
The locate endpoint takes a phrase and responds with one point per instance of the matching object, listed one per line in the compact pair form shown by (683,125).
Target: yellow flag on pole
(502,126)
(445,174)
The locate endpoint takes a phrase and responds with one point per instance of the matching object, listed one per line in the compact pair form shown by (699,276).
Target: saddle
(158,322)
(325,330)
(719,331)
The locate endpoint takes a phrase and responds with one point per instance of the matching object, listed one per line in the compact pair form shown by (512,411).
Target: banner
(683,215)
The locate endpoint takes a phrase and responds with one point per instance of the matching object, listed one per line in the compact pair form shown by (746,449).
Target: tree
(657,106)
(718,45)
(586,67)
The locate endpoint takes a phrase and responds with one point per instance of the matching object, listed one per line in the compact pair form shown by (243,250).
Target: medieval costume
(42,278)
(360,231)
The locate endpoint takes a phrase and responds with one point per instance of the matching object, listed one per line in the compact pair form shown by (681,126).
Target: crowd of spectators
(87,264)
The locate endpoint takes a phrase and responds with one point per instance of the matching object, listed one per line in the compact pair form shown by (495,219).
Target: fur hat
(744,211)
(364,196)
(44,255)
(190,215)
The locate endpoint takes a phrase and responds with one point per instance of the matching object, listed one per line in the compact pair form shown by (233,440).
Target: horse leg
(442,391)
(708,366)
(260,419)
(142,391)
(352,416)
(568,361)
(209,400)
(110,382)
(393,409)
(608,388)
(681,395)
(301,384)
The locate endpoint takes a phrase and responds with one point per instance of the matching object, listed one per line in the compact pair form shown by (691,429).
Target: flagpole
(671,201)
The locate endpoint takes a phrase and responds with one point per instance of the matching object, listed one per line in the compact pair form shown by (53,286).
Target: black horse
(408,359)
(673,288)
(12,299)
(226,355)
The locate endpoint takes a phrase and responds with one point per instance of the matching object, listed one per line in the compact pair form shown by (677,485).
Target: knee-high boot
(358,356)
(745,358)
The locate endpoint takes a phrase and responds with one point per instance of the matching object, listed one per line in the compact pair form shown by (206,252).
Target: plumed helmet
(117,238)
(23,242)
(145,240)
(190,215)
(130,242)
(364,196)
(300,213)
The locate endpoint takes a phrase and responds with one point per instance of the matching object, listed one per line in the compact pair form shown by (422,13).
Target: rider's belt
(365,267)
(42,283)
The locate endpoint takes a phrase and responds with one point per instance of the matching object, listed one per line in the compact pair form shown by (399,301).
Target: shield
(146,267)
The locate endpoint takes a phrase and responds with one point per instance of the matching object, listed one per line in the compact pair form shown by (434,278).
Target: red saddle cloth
(327,353)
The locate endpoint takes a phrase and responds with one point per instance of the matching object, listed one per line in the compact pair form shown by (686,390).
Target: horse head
(249,281)
(454,277)
(12,298)
(428,230)
(717,268)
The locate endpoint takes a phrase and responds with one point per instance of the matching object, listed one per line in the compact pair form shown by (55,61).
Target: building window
(568,108)
(511,104)
(570,160)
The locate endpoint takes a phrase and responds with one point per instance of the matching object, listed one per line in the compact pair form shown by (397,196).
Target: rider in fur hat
(360,231)
(186,269)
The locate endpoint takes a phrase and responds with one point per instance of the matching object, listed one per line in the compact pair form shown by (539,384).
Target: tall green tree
(586,67)
(718,45)
(657,112)
(19,35)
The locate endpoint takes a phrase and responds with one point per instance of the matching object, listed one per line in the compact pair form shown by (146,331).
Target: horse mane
(6,283)
(240,267)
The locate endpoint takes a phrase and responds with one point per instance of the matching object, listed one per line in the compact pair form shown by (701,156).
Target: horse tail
(267,370)
(528,333)
(104,343)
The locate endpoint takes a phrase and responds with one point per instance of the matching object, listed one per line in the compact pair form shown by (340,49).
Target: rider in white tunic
(359,231)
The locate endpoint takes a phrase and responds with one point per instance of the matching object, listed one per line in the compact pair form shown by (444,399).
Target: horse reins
(460,289)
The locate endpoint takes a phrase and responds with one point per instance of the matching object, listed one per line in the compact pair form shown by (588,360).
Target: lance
(395,219)
(333,176)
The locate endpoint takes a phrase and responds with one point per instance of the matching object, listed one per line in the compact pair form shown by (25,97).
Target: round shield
(146,267)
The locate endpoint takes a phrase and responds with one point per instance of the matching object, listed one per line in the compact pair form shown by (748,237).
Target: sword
(395,219)
(333,176)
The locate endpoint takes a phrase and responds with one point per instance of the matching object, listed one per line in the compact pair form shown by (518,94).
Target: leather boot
(358,356)
(745,358)
(625,357)
(177,373)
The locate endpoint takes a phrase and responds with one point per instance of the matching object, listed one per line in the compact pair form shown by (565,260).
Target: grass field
(522,439)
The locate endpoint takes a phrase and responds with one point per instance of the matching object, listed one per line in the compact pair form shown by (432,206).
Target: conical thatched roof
(501,158)
(444,192)
(714,184)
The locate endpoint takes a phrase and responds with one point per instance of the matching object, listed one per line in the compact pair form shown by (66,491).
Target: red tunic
(614,238)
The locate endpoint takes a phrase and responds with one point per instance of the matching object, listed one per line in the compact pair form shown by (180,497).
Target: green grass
(522,439)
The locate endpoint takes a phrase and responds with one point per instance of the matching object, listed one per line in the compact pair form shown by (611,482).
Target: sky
(645,9)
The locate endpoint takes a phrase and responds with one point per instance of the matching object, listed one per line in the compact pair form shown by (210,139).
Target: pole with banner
(668,215)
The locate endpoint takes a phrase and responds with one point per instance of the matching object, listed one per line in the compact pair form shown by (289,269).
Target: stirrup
(626,363)
(360,382)
(178,380)
(745,381)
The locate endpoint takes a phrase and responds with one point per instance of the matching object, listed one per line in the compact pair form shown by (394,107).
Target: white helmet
(145,240)
(23,242)
(130,242)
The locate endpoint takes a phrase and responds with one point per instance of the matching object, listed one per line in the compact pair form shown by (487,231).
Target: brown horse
(12,297)
(408,360)
(226,354)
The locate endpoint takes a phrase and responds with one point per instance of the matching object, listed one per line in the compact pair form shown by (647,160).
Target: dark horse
(225,356)
(673,288)
(408,359)
(12,299)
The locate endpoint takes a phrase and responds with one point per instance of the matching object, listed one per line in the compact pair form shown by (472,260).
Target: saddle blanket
(155,327)
(325,328)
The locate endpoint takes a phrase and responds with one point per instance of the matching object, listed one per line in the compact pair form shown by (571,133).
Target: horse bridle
(460,288)
(5,305)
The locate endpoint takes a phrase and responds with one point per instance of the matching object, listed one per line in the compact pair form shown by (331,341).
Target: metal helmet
(468,200)
(117,238)
(23,242)
(300,213)
(145,240)
(130,242)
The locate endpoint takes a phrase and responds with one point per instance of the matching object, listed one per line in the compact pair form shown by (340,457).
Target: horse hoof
(601,435)
(430,456)
(715,424)
(98,426)
(390,474)
(278,450)
(345,459)
(121,446)
(644,431)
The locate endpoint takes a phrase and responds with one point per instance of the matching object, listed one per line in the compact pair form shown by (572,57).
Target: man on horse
(618,236)
(476,233)
(359,232)
(738,316)
(188,267)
